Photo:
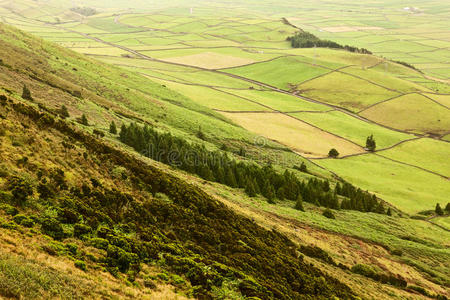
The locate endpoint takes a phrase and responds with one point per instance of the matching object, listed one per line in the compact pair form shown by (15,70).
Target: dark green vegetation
(305,39)
(219,167)
(177,226)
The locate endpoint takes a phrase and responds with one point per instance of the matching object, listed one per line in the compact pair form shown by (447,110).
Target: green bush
(72,248)
(52,228)
(364,270)
(99,243)
(10,210)
(80,265)
(81,229)
(23,220)
(20,189)
(328,214)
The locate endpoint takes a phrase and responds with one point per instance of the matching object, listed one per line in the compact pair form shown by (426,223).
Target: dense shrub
(328,214)
(52,228)
(81,229)
(81,265)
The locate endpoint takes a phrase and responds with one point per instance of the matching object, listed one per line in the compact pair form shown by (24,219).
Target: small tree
(250,188)
(113,128)
(439,210)
(299,203)
(303,168)
(371,145)
(84,120)
(333,153)
(447,208)
(26,93)
(64,112)
(389,211)
(20,189)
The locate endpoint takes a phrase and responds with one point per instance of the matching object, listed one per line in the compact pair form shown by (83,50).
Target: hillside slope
(111,203)
(108,210)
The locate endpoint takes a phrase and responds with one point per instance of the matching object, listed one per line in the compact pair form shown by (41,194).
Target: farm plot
(426,153)
(408,188)
(412,113)
(345,91)
(284,72)
(354,129)
(299,136)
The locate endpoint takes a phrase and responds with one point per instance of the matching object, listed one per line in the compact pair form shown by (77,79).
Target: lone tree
(389,211)
(26,94)
(439,210)
(299,203)
(333,153)
(84,120)
(64,112)
(113,128)
(371,145)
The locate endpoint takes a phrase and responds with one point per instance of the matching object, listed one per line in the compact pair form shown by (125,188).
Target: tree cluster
(255,180)
(305,39)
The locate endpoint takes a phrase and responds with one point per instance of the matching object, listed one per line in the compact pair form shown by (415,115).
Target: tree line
(256,180)
(305,39)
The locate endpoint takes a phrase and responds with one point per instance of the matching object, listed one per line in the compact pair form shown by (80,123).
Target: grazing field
(354,129)
(285,72)
(427,153)
(301,137)
(413,113)
(406,187)
(345,91)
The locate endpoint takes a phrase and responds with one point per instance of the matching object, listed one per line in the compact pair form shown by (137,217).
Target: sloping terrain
(108,210)
(162,213)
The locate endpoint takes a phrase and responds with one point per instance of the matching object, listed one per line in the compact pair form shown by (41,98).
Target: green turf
(282,72)
(354,129)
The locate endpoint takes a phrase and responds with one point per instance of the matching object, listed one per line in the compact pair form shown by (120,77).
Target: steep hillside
(107,210)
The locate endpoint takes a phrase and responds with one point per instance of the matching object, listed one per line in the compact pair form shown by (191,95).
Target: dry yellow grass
(299,136)
(211,60)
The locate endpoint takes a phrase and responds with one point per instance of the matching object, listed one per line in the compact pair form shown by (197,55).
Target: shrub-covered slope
(108,210)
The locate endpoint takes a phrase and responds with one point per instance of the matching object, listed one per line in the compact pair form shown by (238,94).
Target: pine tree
(26,93)
(389,211)
(370,143)
(230,179)
(299,203)
(112,128)
(439,210)
(250,189)
(380,208)
(303,168)
(447,208)
(333,153)
(84,120)
(64,112)
(270,195)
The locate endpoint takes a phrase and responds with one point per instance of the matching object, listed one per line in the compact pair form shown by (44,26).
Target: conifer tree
(26,93)
(389,211)
(299,203)
(112,128)
(84,120)
(250,188)
(447,208)
(439,210)
(64,112)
